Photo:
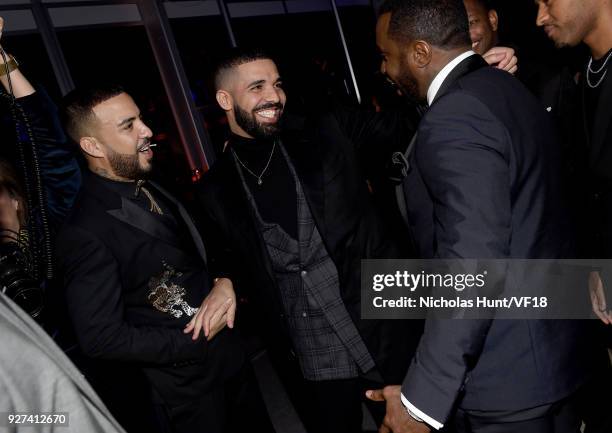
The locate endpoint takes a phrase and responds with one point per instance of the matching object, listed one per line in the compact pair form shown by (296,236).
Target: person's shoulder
(489,82)
(459,100)
(89,211)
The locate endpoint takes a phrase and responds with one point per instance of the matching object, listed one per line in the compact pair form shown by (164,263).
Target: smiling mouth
(548,29)
(146,147)
(269,114)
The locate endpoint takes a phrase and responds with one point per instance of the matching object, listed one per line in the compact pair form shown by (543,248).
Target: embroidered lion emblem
(167,296)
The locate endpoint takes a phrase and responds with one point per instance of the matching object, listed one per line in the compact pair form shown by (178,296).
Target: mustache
(268,106)
(146,142)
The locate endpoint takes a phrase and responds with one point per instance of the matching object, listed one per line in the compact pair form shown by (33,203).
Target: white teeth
(267,113)
(144,149)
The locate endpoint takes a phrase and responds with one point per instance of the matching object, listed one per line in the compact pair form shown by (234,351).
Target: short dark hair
(442,23)
(487,4)
(76,111)
(235,57)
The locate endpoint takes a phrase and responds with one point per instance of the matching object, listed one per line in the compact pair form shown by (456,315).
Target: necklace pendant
(259,181)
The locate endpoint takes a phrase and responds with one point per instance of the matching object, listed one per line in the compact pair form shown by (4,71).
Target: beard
(407,84)
(249,123)
(127,166)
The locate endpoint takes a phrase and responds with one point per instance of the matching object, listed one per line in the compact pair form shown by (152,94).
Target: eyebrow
(126,121)
(256,83)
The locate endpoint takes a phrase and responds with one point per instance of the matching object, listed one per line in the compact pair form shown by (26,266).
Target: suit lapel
(603,118)
(195,234)
(470,64)
(143,220)
(130,213)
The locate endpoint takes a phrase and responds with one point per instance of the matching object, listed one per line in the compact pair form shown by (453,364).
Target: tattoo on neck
(102,172)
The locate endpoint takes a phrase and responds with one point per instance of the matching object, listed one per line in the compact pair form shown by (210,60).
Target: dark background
(306,46)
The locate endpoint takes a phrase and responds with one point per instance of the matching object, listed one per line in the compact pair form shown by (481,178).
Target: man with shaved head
(482,184)
(138,290)
(289,218)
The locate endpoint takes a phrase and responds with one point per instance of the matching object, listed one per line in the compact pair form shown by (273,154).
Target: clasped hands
(217,310)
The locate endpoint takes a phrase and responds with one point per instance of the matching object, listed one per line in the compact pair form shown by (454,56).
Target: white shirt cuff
(423,416)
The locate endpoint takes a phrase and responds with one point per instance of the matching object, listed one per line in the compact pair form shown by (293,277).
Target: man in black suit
(135,274)
(289,219)
(482,184)
(569,23)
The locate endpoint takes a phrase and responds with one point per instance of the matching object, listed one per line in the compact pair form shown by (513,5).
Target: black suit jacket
(483,184)
(323,152)
(109,250)
(597,144)
(595,147)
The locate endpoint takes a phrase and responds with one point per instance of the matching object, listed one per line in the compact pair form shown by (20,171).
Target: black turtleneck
(276,197)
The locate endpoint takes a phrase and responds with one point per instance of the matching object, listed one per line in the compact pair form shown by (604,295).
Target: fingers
(231,314)
(504,62)
(598,299)
(384,429)
(217,327)
(375,395)
(214,315)
(199,318)
(502,58)
(493,58)
(189,327)
(509,64)
(598,302)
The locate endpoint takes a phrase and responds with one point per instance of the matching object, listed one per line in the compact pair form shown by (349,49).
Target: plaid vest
(326,340)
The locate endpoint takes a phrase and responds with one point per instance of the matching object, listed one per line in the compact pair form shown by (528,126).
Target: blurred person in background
(37,187)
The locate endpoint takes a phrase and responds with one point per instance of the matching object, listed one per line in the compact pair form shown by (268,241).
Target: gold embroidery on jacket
(167,296)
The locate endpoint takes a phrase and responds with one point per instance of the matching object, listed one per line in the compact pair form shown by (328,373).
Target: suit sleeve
(462,152)
(219,250)
(93,295)
(374,133)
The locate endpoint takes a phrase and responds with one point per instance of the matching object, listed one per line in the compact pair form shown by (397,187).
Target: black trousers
(335,406)
(329,406)
(235,407)
(559,417)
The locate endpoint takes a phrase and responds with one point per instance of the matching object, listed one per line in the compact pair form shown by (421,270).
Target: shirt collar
(435,85)
(126,189)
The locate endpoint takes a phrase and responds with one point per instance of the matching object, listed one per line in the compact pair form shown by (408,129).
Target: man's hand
(598,298)
(217,310)
(397,419)
(20,85)
(502,58)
